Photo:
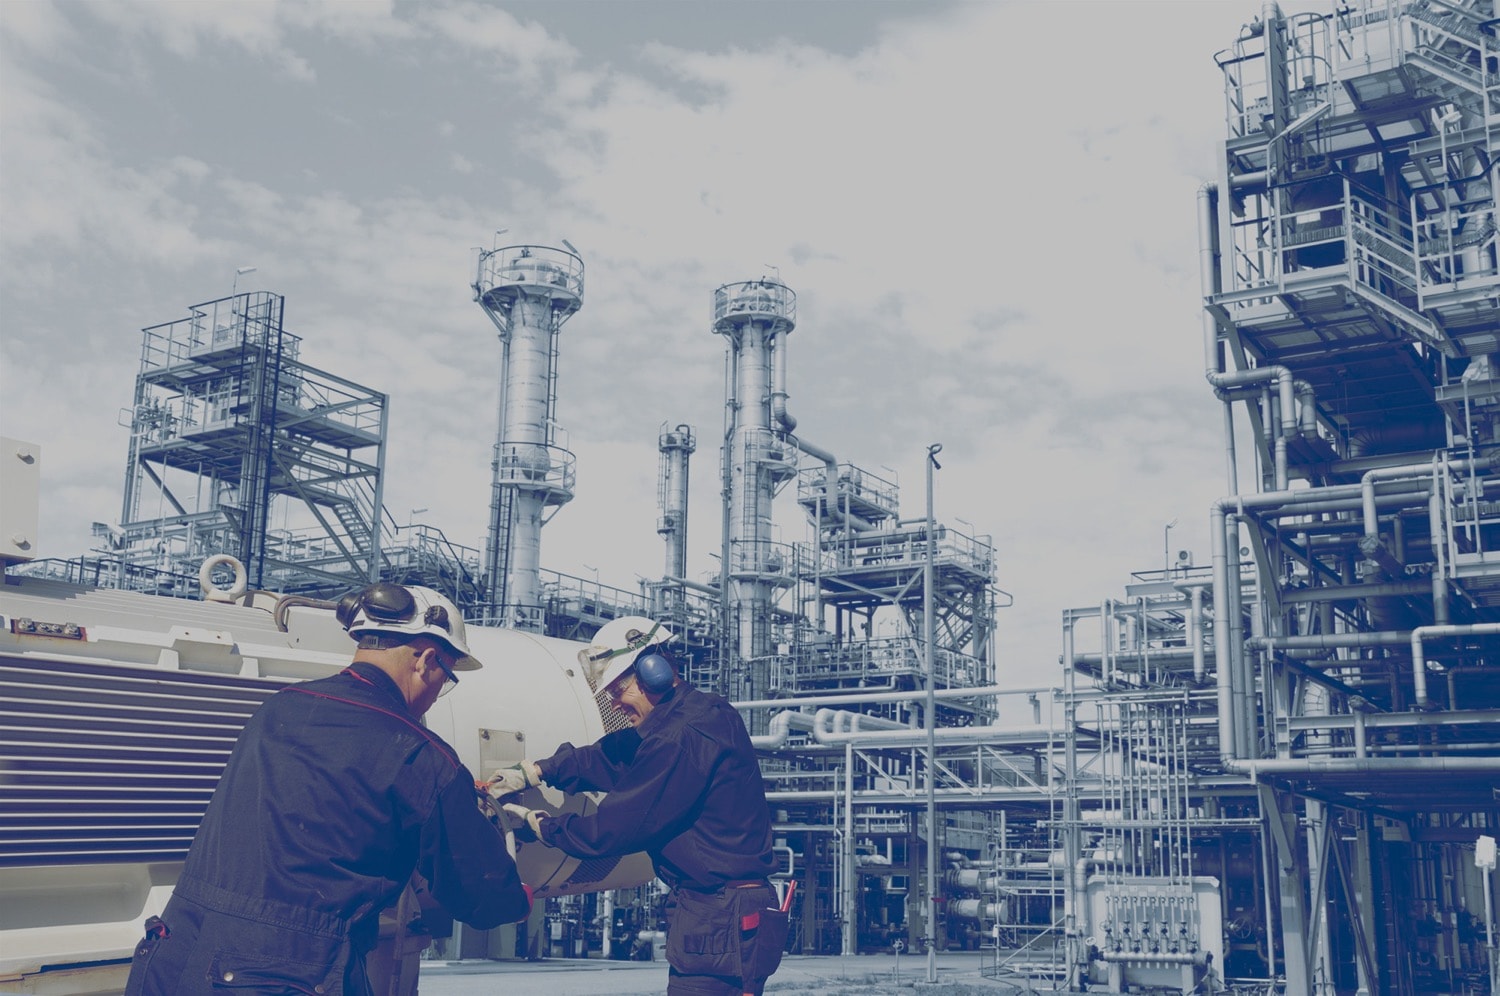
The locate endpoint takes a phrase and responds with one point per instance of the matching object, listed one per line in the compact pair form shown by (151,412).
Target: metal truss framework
(1310,723)
(238,447)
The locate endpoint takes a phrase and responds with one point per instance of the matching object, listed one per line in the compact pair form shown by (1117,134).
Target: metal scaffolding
(1278,767)
(238,447)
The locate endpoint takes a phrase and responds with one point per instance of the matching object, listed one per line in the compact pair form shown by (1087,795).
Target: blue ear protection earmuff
(655,670)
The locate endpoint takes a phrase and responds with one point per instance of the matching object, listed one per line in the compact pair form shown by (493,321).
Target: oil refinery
(1276,772)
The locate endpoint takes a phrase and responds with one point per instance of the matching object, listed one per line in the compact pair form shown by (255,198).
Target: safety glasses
(450,680)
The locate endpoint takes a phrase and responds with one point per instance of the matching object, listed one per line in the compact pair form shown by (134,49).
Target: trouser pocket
(762,941)
(702,934)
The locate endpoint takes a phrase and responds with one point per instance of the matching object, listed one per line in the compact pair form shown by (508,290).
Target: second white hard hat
(612,651)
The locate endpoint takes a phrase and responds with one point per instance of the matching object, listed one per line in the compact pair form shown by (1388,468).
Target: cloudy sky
(987,211)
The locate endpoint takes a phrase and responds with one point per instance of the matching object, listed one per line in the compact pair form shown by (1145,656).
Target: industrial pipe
(1419,659)
(694,585)
(831,470)
(1290,389)
(1156,957)
(1367,766)
(1438,540)
(779,414)
(1419,471)
(780,729)
(788,424)
(1223,651)
(1220,522)
(873,698)
(1195,633)
(978,909)
(825,731)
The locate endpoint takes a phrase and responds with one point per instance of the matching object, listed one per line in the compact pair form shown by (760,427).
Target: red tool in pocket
(750,921)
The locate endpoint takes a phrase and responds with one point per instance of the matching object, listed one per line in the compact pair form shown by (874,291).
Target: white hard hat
(612,651)
(384,607)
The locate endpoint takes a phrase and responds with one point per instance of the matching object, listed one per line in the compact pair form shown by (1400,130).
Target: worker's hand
(530,819)
(516,778)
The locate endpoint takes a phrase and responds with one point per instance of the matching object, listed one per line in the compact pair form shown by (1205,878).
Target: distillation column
(528,292)
(755,318)
(676,446)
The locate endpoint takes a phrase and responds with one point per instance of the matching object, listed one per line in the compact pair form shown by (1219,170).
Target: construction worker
(333,795)
(684,786)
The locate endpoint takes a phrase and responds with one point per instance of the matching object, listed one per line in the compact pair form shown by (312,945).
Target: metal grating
(102,763)
(593,870)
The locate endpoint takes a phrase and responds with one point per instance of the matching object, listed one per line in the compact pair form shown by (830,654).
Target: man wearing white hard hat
(333,796)
(684,786)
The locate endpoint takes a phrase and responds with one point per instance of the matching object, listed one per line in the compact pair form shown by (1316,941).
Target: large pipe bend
(1419,658)
(780,729)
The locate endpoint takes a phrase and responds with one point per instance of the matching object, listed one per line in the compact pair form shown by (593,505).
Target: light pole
(930,721)
(412,515)
(1166,551)
(239,272)
(1484,860)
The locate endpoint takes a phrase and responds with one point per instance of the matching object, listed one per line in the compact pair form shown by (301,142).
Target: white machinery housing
(119,712)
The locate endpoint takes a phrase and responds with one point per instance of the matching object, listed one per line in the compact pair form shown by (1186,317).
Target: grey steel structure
(1353,310)
(1281,765)
(1270,772)
(676,447)
(864,613)
(528,292)
(237,446)
(755,318)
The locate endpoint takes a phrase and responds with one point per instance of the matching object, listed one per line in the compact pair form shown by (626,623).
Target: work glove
(530,829)
(516,778)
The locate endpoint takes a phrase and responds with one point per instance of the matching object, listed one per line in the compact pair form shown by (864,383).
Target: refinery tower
(528,292)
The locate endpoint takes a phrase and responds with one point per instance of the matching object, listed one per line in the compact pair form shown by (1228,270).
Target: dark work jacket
(333,795)
(684,786)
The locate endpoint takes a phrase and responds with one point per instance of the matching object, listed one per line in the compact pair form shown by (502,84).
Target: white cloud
(524,49)
(987,216)
(76,201)
(185,29)
(38,26)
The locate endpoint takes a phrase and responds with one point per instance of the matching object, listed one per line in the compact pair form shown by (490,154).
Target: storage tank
(118,711)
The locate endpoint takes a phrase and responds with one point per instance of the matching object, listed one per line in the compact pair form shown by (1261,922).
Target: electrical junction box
(20,498)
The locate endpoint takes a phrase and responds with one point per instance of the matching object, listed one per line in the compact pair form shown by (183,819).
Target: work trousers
(723,943)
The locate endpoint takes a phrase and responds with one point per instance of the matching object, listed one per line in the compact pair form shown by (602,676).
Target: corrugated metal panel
(102,762)
(593,870)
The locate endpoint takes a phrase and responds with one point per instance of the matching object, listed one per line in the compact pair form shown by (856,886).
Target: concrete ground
(958,973)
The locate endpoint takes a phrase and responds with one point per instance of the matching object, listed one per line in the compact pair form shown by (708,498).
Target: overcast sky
(987,211)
